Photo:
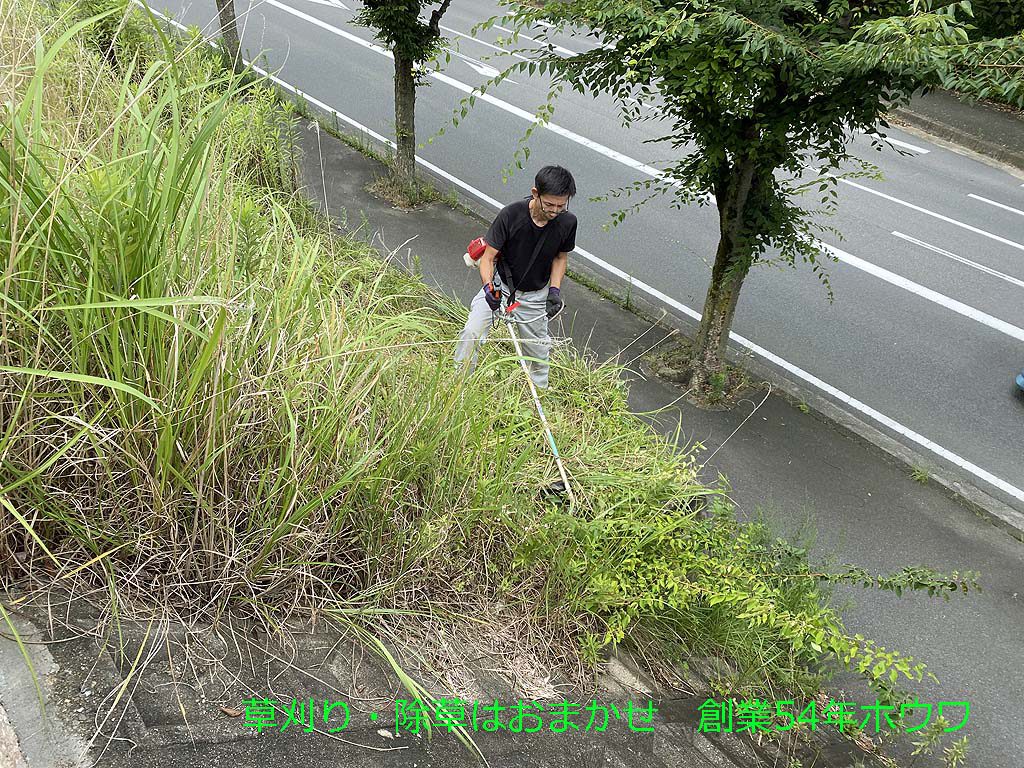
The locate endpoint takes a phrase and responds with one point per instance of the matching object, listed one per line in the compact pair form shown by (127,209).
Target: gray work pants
(531,324)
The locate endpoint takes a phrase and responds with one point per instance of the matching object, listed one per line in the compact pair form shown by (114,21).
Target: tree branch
(435,17)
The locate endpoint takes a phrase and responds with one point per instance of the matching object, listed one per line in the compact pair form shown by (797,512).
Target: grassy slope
(210,402)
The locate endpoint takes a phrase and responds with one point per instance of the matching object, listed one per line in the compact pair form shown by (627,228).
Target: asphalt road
(926,328)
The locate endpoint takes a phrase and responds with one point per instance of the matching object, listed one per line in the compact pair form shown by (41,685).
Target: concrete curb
(45,742)
(10,751)
(959,137)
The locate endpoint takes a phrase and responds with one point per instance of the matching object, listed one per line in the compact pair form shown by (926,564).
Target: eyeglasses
(553,207)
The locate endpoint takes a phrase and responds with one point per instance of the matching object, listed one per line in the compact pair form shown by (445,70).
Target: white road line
(814,381)
(549,25)
(962,260)
(997,205)
(886,421)
(905,145)
(895,142)
(553,127)
(330,28)
(939,216)
(331,3)
(926,293)
(560,49)
(484,43)
(478,66)
(639,103)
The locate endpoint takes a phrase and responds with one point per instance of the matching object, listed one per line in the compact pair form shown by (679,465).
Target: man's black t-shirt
(515,235)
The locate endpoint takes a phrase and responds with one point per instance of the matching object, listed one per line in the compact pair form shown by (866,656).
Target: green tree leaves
(399,26)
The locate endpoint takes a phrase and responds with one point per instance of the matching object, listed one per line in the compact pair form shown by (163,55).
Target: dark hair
(554,180)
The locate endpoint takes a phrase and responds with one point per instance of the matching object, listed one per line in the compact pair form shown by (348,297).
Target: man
(534,237)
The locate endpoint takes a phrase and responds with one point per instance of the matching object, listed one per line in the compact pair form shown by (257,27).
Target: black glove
(493,300)
(555,303)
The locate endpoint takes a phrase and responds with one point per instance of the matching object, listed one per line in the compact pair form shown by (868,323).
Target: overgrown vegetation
(210,404)
(725,388)
(389,186)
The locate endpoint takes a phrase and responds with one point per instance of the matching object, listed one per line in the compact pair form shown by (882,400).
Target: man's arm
(557,269)
(487,264)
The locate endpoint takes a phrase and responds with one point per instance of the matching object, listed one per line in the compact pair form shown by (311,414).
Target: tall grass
(210,402)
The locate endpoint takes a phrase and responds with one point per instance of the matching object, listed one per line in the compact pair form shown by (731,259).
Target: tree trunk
(229,32)
(732,262)
(405,120)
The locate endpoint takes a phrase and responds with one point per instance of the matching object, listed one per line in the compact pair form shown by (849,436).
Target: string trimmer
(562,488)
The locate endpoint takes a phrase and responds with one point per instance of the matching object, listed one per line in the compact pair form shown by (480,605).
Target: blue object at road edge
(1020,380)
